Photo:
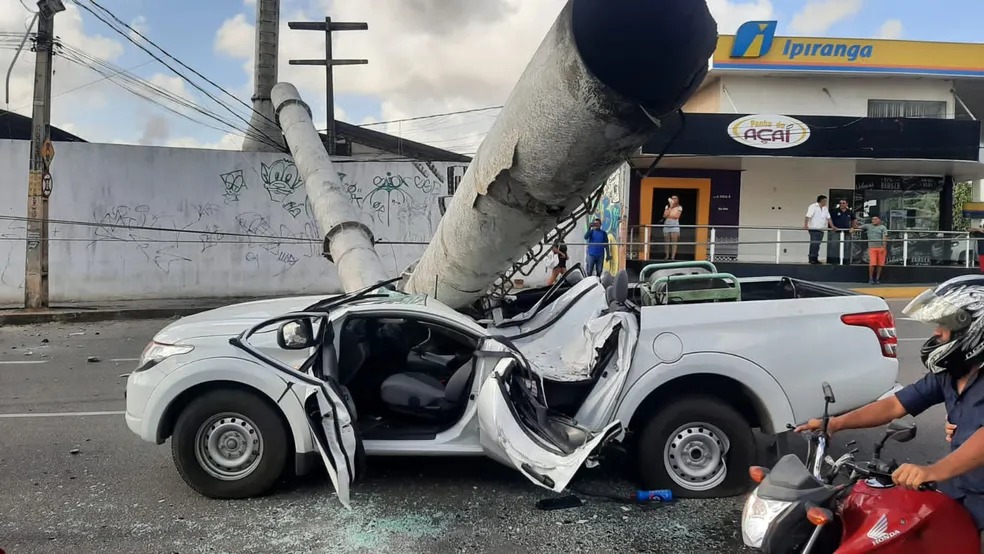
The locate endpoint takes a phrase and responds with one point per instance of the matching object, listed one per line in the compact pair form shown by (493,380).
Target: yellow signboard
(754,47)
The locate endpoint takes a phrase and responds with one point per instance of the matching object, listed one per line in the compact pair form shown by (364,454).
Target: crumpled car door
(517,429)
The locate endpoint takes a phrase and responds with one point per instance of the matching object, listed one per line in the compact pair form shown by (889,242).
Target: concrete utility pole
(39,182)
(327,27)
(263,135)
(348,242)
(594,92)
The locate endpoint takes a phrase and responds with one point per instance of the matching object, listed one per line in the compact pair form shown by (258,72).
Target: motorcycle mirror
(904,435)
(828,393)
(902,424)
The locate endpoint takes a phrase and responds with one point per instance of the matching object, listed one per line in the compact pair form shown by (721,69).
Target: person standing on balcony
(671,226)
(844,221)
(598,252)
(877,248)
(817,221)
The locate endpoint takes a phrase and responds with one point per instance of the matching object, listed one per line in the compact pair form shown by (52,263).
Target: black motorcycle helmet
(958,305)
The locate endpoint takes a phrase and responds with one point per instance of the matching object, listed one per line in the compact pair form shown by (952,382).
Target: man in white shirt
(817,221)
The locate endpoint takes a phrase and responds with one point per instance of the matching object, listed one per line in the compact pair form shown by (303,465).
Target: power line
(431,116)
(260,135)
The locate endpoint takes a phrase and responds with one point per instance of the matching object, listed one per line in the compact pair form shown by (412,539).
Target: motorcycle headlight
(157,352)
(756,517)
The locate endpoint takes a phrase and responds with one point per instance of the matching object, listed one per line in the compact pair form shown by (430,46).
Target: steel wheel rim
(695,456)
(229,446)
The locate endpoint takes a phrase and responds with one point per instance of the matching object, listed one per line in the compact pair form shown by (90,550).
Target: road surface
(73,478)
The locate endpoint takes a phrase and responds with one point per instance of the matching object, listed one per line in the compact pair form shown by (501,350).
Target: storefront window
(907,108)
(909,205)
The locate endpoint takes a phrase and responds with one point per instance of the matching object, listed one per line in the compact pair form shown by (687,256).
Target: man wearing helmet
(954,356)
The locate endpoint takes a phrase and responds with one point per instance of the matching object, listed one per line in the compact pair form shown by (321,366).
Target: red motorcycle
(795,509)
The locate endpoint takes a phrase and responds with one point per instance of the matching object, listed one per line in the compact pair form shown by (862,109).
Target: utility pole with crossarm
(39,179)
(327,27)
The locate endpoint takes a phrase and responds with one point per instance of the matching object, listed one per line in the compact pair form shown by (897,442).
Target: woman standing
(560,250)
(671,226)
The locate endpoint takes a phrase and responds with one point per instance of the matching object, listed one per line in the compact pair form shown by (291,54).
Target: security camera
(49,8)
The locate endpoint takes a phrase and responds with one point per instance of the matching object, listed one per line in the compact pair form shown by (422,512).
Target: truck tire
(698,447)
(229,444)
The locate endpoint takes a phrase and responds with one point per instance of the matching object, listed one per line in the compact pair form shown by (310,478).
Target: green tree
(962,192)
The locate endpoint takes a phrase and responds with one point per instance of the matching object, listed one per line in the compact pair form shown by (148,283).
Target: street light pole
(42,152)
(328,27)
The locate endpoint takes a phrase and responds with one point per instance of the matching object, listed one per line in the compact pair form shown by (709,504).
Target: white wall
(844,96)
(776,193)
(196,195)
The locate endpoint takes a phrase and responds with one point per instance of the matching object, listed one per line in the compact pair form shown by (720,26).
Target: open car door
(314,385)
(517,429)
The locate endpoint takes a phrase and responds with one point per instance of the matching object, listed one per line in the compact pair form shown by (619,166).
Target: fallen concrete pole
(592,95)
(349,241)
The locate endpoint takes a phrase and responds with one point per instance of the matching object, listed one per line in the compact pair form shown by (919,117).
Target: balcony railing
(784,245)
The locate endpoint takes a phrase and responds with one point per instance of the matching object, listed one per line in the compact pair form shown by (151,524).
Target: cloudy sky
(425,57)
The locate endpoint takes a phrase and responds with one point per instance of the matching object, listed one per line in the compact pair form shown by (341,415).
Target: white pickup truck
(680,368)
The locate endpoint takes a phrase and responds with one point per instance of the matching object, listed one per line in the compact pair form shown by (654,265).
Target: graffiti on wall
(265,214)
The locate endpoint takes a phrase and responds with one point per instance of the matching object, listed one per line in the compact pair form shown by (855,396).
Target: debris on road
(73,451)
(92,359)
(44,341)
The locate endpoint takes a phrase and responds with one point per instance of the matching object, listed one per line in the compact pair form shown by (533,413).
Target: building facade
(888,125)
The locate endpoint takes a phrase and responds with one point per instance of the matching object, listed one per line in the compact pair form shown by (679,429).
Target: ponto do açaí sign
(769,131)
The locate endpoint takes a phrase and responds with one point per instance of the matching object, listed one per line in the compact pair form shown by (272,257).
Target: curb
(90,316)
(892,293)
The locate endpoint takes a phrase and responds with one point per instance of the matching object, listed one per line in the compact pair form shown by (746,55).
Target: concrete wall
(152,221)
(776,193)
(844,96)
(707,99)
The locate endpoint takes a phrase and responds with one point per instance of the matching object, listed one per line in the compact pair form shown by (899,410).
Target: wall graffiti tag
(234,183)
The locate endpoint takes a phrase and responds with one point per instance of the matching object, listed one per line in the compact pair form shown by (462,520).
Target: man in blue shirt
(598,252)
(954,356)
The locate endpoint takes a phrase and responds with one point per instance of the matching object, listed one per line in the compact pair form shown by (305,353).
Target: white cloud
(139,24)
(427,56)
(891,29)
(817,16)
(68,75)
(730,15)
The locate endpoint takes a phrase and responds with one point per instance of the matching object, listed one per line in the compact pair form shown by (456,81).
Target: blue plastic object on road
(660,495)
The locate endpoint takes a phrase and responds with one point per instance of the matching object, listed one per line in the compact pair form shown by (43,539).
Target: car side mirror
(296,334)
(828,393)
(902,430)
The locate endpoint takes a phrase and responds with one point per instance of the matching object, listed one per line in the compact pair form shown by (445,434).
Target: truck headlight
(157,352)
(756,517)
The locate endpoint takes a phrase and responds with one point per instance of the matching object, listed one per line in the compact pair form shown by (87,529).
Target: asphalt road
(116,493)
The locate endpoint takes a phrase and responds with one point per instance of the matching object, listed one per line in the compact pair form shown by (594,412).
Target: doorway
(695,196)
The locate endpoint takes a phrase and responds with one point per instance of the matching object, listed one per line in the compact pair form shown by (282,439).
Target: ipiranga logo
(851,52)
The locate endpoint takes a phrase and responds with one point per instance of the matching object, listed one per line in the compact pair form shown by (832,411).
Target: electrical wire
(431,116)
(259,134)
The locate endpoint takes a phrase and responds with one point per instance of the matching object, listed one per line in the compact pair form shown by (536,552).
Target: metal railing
(764,244)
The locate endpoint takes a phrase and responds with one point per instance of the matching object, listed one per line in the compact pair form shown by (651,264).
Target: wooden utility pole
(327,27)
(39,182)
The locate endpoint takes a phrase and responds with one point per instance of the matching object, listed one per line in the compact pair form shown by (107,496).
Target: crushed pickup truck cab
(679,368)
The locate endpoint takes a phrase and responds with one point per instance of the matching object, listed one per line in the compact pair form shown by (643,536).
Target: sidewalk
(113,311)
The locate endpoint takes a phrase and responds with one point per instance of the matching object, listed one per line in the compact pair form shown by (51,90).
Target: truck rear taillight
(883,324)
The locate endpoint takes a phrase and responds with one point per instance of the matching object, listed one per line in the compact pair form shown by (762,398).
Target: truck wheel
(698,447)
(229,444)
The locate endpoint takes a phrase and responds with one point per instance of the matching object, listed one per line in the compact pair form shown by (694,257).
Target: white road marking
(59,414)
(23,362)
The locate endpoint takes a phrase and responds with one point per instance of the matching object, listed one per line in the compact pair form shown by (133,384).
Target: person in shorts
(877,248)
(560,250)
